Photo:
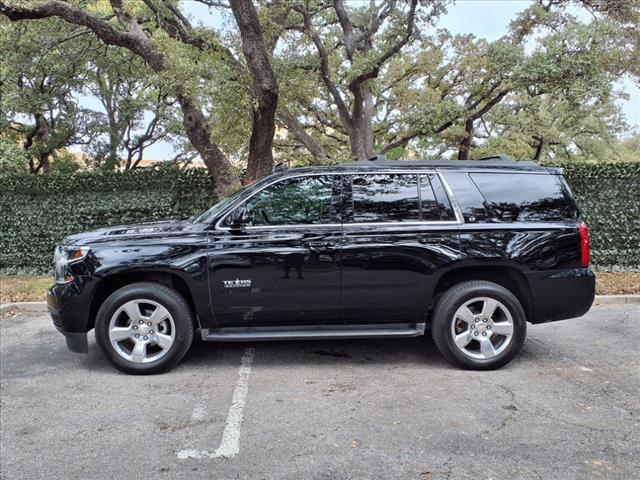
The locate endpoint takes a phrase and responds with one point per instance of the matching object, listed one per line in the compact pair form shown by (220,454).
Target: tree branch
(325,73)
(298,131)
(390,52)
(347,28)
(133,39)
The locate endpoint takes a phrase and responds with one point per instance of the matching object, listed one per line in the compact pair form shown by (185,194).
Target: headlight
(63,257)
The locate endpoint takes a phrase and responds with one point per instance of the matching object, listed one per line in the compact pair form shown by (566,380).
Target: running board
(315,332)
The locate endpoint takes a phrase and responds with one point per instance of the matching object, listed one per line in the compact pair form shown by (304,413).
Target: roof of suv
(380,162)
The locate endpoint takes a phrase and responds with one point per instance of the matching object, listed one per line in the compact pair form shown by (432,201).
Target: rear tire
(144,328)
(479,325)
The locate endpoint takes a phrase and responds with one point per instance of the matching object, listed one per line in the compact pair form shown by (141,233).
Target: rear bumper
(561,294)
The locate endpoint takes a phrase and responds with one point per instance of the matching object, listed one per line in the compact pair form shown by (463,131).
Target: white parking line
(230,443)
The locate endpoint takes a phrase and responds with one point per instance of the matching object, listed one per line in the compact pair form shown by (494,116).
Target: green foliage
(12,159)
(37,211)
(609,200)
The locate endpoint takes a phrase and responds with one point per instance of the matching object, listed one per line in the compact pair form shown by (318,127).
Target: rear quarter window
(524,197)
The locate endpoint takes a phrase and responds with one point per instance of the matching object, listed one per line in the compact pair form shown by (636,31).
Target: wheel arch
(504,274)
(111,282)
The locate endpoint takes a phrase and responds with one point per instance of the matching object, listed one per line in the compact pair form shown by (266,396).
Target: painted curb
(617,299)
(41,307)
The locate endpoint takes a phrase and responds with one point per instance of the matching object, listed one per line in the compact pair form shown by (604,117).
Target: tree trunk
(45,163)
(367,121)
(219,167)
(465,145)
(264,89)
(539,146)
(361,132)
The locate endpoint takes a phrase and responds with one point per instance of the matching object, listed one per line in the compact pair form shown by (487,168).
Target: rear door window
(398,197)
(385,198)
(523,197)
(434,200)
(471,203)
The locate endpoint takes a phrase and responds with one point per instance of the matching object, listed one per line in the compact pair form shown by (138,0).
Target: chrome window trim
(458,213)
(452,199)
(427,223)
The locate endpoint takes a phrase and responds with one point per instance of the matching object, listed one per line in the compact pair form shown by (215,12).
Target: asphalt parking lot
(567,408)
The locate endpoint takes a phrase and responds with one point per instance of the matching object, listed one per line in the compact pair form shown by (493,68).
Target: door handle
(319,247)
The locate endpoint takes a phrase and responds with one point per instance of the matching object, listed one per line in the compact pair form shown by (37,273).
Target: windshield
(210,214)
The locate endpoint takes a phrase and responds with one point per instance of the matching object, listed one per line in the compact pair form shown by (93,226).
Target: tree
(341,79)
(39,110)
(136,112)
(264,89)
(136,28)
(364,39)
(550,128)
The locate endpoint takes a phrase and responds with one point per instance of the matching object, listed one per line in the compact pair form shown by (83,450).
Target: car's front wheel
(479,325)
(144,328)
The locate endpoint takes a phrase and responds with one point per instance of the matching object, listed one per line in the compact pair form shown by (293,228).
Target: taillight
(584,245)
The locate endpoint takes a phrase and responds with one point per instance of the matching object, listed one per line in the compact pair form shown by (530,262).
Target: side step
(314,332)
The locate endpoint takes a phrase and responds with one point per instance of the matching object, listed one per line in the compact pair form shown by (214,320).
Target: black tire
(169,299)
(445,312)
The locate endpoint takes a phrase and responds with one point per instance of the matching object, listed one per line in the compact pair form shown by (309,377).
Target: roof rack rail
(280,167)
(502,158)
(377,158)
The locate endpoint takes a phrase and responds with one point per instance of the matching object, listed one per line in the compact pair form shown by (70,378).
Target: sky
(487,19)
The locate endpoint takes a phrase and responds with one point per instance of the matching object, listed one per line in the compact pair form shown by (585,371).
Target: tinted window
(385,198)
(523,197)
(428,202)
(437,205)
(467,196)
(294,201)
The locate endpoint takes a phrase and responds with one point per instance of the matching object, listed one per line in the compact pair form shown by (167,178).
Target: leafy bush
(37,211)
(609,198)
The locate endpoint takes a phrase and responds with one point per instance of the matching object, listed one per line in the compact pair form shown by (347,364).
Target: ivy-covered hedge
(609,198)
(37,211)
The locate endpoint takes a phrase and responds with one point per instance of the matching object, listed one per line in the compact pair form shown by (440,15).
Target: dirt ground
(23,288)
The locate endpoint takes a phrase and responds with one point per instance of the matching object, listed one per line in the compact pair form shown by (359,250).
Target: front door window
(293,201)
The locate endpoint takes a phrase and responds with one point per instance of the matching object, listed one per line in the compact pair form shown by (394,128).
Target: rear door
(283,268)
(399,228)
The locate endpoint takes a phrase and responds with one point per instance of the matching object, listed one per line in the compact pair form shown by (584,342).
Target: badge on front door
(236,283)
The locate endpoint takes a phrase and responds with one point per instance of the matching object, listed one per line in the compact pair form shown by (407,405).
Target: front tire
(144,328)
(479,325)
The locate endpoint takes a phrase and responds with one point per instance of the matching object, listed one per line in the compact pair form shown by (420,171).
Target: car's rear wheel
(479,325)
(144,328)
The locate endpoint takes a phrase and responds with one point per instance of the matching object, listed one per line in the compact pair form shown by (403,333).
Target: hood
(134,231)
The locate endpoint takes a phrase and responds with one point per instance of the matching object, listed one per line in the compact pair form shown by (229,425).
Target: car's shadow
(319,352)
(419,350)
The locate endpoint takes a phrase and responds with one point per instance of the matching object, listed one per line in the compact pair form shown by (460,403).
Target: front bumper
(69,311)
(76,341)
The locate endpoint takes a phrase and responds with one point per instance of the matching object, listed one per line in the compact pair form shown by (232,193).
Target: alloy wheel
(482,328)
(142,331)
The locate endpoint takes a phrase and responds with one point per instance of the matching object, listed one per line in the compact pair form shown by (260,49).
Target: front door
(282,269)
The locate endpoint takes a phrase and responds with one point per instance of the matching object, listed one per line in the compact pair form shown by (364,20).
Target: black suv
(470,250)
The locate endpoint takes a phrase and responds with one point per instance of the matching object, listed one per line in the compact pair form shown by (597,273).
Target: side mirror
(238,219)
